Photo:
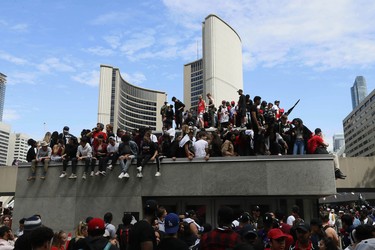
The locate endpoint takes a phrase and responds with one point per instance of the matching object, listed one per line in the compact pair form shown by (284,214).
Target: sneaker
(43,177)
(110,167)
(92,174)
(139,175)
(72,176)
(84,176)
(121,175)
(139,169)
(158,174)
(31,178)
(103,173)
(63,174)
(97,173)
(126,175)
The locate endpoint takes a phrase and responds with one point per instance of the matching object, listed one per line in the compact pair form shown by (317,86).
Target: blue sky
(51,52)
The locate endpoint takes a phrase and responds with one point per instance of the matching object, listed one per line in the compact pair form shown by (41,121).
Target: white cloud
(21,27)
(10,115)
(55,64)
(99,51)
(12,59)
(138,41)
(320,34)
(90,78)
(110,18)
(114,41)
(19,77)
(135,78)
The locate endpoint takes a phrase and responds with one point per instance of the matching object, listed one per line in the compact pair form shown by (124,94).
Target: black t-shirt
(148,148)
(254,108)
(177,106)
(172,244)
(142,231)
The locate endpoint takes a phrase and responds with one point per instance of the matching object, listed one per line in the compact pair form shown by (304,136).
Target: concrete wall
(360,172)
(63,202)
(8,177)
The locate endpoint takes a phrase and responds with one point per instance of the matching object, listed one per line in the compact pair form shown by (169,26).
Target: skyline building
(18,147)
(219,71)
(359,128)
(338,141)
(358,91)
(3,80)
(4,142)
(127,106)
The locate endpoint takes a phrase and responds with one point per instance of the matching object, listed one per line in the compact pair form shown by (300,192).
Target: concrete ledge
(63,202)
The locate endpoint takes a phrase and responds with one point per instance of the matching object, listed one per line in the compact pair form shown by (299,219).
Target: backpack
(124,238)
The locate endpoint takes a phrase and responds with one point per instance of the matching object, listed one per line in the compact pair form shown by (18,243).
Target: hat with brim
(276,233)
(171,223)
(303,226)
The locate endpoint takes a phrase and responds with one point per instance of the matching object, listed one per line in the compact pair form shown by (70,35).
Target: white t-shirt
(200,148)
(112,149)
(172,133)
(290,220)
(224,114)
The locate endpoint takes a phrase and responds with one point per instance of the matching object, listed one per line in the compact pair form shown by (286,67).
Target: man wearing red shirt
(316,144)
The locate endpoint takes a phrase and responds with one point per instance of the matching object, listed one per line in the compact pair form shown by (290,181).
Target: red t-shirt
(201,107)
(313,143)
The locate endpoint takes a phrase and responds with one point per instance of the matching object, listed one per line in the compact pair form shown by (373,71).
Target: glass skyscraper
(358,91)
(3,79)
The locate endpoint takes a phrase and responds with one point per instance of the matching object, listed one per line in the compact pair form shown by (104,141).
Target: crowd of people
(246,128)
(352,228)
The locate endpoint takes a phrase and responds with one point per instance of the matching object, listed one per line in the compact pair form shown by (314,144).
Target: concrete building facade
(359,129)
(240,182)
(338,141)
(127,106)
(219,72)
(193,83)
(17,147)
(358,91)
(3,79)
(4,143)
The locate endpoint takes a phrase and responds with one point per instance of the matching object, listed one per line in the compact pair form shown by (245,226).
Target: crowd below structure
(349,227)
(244,128)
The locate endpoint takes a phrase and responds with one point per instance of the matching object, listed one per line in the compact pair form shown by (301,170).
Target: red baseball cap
(276,233)
(96,224)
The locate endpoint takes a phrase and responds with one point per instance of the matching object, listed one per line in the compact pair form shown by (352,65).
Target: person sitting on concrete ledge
(43,156)
(316,145)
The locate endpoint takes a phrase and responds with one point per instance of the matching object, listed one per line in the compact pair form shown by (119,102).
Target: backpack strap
(108,246)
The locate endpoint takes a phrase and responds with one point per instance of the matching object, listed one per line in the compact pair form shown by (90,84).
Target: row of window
(198,78)
(136,123)
(135,110)
(197,88)
(199,83)
(135,115)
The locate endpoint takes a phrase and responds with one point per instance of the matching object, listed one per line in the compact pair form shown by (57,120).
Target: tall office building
(193,83)
(127,106)
(4,143)
(17,148)
(219,72)
(3,80)
(359,128)
(358,91)
(338,141)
